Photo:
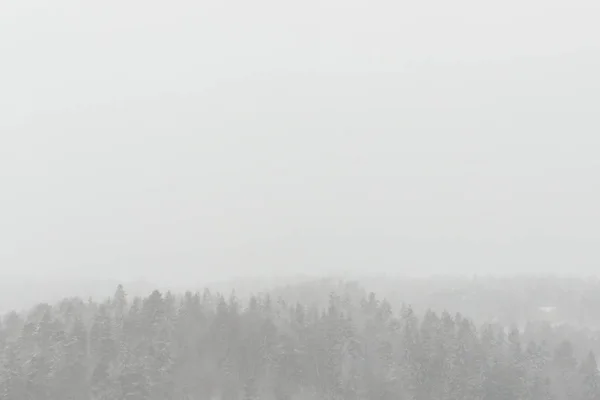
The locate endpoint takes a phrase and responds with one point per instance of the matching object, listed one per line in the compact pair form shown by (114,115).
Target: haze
(202,139)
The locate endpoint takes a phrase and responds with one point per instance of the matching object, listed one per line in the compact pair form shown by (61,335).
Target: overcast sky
(187,139)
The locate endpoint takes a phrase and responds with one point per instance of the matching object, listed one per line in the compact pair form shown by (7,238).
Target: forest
(336,341)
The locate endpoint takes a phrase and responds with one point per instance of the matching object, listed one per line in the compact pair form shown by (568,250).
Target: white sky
(176,140)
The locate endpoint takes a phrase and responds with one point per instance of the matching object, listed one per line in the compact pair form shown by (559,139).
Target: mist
(197,141)
(325,199)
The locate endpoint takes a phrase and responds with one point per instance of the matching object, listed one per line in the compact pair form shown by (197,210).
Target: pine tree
(13,383)
(119,304)
(564,371)
(590,378)
(74,382)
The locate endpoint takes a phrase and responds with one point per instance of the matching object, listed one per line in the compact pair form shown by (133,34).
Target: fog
(182,141)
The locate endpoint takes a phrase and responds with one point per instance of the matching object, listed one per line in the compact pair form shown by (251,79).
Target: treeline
(508,300)
(210,346)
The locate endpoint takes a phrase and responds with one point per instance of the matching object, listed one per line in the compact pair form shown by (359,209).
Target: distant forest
(325,339)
